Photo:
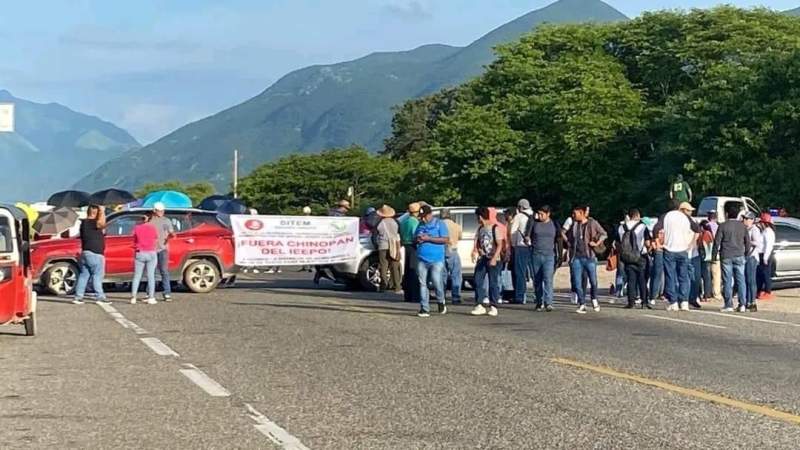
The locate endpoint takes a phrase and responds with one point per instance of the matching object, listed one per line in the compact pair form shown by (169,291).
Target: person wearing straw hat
(388,234)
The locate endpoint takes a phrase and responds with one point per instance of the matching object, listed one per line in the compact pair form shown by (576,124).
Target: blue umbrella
(170,199)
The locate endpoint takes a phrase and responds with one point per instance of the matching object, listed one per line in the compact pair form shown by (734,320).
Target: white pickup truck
(721,204)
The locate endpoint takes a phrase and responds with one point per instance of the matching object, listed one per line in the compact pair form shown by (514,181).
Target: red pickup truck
(201,256)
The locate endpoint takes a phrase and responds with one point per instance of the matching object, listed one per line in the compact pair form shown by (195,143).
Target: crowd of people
(675,258)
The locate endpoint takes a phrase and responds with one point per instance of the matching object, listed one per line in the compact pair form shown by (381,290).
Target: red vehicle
(201,256)
(17,298)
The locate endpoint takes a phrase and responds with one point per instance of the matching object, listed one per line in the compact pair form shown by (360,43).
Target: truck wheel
(30,324)
(201,276)
(369,275)
(61,278)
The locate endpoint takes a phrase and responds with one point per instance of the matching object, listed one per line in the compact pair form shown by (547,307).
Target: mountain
(51,146)
(793,12)
(323,106)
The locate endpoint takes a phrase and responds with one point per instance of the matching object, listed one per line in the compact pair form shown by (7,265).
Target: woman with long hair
(766,267)
(145,241)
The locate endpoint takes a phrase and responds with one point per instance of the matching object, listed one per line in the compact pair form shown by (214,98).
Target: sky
(151,66)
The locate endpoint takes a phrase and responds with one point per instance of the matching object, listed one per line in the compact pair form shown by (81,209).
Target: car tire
(61,278)
(369,275)
(201,276)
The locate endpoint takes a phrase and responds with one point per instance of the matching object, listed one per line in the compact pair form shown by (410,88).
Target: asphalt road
(276,363)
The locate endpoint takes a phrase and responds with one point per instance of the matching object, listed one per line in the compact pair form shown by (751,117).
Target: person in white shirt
(634,241)
(521,250)
(680,235)
(766,268)
(751,266)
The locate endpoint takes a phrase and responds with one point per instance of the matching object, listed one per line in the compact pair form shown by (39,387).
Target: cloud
(409,11)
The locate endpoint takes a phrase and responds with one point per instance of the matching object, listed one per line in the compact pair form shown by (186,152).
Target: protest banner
(294,240)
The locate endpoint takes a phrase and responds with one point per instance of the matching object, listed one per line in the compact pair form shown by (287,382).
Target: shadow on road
(343,308)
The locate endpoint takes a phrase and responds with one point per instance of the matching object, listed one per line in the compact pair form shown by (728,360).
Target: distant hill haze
(51,147)
(323,106)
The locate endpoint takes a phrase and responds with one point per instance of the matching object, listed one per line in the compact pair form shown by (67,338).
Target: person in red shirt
(145,242)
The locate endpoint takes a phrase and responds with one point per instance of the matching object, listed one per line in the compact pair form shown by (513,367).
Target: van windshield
(6,244)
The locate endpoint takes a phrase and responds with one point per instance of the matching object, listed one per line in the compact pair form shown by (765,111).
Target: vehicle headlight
(5,274)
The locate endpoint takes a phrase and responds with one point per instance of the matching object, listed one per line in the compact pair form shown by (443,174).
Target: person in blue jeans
(452,262)
(680,238)
(92,261)
(731,245)
(543,236)
(583,237)
(145,237)
(489,243)
(432,239)
(166,231)
(752,260)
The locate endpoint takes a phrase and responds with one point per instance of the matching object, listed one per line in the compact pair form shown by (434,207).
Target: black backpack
(629,251)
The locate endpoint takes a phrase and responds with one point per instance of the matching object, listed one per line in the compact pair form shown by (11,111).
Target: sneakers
(638,301)
(442,308)
(612,301)
(595,305)
(741,309)
(648,305)
(726,310)
(133,300)
(695,305)
(478,310)
(581,309)
(151,301)
(574,299)
(684,306)
(77,301)
(540,308)
(548,308)
(102,301)
(673,307)
(424,314)
(492,312)
(167,298)
(753,308)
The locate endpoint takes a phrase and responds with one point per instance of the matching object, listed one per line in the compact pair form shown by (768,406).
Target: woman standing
(145,240)
(766,267)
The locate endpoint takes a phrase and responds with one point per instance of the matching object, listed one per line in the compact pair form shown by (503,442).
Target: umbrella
(109,197)
(170,199)
(213,202)
(71,199)
(56,221)
(233,207)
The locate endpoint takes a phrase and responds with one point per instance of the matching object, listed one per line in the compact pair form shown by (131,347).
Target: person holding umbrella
(92,261)
(166,231)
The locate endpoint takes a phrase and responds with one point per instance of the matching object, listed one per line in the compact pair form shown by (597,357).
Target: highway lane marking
(120,319)
(754,319)
(160,348)
(685,321)
(204,382)
(273,431)
(688,392)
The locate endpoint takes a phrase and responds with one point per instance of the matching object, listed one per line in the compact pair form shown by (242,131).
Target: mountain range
(322,107)
(51,147)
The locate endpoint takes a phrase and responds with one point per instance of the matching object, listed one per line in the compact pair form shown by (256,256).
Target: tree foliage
(196,191)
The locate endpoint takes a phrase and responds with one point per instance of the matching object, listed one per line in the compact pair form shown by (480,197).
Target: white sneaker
(133,300)
(726,310)
(581,309)
(77,302)
(595,305)
(742,309)
(612,301)
(151,301)
(574,299)
(638,301)
(673,307)
(478,310)
(684,306)
(167,298)
(256,271)
(492,311)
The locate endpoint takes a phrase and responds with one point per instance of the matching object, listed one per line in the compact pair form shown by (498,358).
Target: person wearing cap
(452,262)
(521,251)
(752,260)
(731,245)
(388,234)
(432,240)
(680,238)
(166,231)
(766,268)
(408,229)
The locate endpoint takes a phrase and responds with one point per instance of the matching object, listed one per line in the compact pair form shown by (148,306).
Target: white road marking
(685,321)
(120,319)
(107,308)
(204,382)
(754,319)
(160,348)
(273,431)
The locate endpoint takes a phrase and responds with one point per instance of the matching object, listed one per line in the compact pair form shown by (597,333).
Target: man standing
(584,236)
(408,229)
(166,231)
(92,261)
(731,245)
(716,270)
(521,250)
(756,249)
(680,234)
(452,272)
(432,240)
(634,243)
(489,244)
(388,249)
(680,191)
(543,237)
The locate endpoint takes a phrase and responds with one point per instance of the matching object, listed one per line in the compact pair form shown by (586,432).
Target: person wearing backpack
(585,238)
(544,235)
(487,255)
(633,246)
(520,250)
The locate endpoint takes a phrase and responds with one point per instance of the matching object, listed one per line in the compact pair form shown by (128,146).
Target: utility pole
(235,173)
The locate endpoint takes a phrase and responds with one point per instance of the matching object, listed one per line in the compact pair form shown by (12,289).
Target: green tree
(320,180)
(196,191)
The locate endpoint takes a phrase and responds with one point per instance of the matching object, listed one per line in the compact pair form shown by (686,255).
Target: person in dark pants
(766,268)
(387,231)
(543,236)
(408,229)
(634,243)
(520,250)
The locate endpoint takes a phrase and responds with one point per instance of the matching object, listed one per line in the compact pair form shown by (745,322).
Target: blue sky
(151,66)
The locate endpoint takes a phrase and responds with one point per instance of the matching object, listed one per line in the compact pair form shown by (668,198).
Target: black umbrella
(213,202)
(56,221)
(112,197)
(70,199)
(234,206)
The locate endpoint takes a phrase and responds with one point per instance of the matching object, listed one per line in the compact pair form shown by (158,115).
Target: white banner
(6,117)
(294,240)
